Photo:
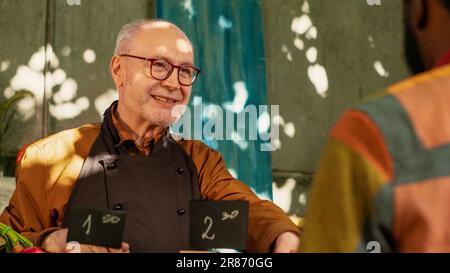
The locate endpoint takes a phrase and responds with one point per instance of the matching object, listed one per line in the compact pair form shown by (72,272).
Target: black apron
(154,190)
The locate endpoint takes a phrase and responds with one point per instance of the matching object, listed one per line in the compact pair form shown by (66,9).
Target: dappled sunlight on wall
(60,89)
(303,28)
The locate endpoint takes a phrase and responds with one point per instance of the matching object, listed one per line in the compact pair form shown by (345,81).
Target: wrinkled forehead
(161,39)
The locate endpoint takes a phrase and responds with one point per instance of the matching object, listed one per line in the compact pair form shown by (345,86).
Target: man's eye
(185,72)
(161,65)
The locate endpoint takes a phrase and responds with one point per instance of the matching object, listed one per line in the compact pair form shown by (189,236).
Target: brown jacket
(50,167)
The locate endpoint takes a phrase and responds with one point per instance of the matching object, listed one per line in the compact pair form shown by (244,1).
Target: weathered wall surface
(322,56)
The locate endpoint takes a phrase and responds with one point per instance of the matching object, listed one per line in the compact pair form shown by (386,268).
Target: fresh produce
(15,242)
(32,249)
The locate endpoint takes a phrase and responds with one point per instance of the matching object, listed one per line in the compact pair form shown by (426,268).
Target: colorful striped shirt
(383,181)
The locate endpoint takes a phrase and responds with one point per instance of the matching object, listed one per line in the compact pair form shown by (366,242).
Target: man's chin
(160,120)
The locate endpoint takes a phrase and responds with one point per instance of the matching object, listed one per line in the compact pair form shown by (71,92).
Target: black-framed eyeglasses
(161,69)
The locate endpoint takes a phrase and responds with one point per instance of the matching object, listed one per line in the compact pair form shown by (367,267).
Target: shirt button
(181,211)
(180,170)
(117,207)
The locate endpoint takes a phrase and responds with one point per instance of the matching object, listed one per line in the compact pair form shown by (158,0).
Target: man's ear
(423,14)
(116,70)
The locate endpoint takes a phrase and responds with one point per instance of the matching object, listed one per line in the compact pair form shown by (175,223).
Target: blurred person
(383,181)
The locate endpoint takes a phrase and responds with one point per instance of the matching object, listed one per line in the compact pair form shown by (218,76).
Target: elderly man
(383,182)
(131,162)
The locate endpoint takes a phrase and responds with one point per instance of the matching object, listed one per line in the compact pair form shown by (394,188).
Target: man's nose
(172,81)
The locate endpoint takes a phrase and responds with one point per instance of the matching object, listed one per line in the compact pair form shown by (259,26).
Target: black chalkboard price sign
(218,224)
(100,227)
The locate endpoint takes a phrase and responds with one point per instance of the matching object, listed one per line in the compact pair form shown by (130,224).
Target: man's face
(148,99)
(411,44)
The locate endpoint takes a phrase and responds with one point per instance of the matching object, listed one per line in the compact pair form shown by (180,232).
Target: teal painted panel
(229,46)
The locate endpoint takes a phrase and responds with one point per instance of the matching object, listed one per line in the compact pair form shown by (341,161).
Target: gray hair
(127,33)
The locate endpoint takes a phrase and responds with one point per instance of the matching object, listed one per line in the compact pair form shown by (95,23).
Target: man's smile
(164,99)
